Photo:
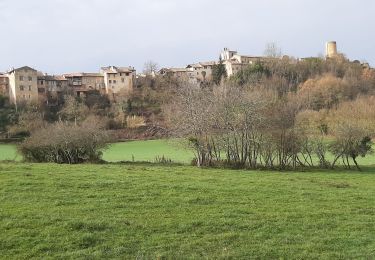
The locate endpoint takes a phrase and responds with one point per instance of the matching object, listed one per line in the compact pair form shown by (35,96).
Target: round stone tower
(331,49)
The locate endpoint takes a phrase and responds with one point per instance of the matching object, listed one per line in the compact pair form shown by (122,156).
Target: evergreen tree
(219,72)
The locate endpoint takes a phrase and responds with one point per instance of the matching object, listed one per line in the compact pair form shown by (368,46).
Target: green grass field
(9,152)
(146,211)
(140,151)
(145,151)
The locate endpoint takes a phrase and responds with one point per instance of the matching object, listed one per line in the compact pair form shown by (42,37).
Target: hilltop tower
(331,49)
(227,54)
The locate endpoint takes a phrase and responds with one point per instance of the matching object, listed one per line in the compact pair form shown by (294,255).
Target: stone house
(81,83)
(202,71)
(4,84)
(23,85)
(118,80)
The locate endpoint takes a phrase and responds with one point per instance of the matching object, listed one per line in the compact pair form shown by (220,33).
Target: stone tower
(331,49)
(227,54)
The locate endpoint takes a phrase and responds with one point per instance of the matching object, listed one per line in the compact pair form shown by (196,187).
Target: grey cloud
(69,35)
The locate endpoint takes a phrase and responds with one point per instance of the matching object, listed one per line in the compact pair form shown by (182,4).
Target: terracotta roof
(174,70)
(60,78)
(82,74)
(208,63)
(52,77)
(74,74)
(201,64)
(92,75)
(24,67)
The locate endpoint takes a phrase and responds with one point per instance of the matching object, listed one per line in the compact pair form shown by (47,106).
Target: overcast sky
(58,36)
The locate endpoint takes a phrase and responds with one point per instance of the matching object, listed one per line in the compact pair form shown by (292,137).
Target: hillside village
(27,84)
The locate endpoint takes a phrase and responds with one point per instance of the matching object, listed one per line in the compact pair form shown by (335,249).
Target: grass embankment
(145,211)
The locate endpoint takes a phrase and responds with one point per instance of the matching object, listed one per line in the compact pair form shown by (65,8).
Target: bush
(65,143)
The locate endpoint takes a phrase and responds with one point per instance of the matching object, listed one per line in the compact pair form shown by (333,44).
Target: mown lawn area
(146,211)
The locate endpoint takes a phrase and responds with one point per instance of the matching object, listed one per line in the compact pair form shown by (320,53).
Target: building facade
(4,84)
(51,88)
(181,74)
(23,85)
(81,83)
(235,62)
(202,71)
(118,80)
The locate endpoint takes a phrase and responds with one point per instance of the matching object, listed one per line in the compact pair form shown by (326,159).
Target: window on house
(122,80)
(110,81)
(120,74)
(114,81)
(127,74)
(22,88)
(29,88)
(30,78)
(21,78)
(41,82)
(29,96)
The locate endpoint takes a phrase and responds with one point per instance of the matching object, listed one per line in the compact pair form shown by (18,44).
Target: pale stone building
(81,83)
(51,87)
(234,62)
(4,84)
(192,73)
(118,80)
(23,85)
(182,74)
(202,71)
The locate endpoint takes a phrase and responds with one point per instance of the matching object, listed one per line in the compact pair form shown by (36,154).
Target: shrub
(135,121)
(65,143)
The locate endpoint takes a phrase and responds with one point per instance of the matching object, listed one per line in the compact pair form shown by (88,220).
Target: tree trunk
(356,164)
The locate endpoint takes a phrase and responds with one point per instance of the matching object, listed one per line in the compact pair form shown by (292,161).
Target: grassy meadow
(139,151)
(148,211)
(146,151)
(9,152)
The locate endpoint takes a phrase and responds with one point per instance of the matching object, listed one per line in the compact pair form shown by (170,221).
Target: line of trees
(256,128)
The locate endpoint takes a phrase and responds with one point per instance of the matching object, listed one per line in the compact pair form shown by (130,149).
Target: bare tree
(272,50)
(351,141)
(73,110)
(150,68)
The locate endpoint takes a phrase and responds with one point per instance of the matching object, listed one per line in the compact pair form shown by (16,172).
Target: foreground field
(139,151)
(145,211)
(9,152)
(148,151)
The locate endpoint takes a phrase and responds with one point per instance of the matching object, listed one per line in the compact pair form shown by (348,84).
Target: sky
(62,36)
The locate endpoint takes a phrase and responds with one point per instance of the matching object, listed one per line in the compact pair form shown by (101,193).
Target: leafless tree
(272,50)
(150,68)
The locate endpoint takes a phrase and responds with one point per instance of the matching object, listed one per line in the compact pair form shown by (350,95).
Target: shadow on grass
(367,169)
